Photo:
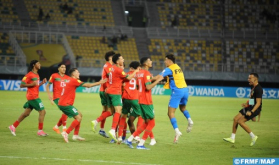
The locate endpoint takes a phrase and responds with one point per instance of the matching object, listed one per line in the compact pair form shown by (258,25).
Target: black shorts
(244,110)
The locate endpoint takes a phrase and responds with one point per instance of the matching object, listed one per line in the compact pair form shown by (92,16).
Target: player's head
(253,78)
(146,62)
(118,59)
(62,68)
(134,65)
(34,64)
(109,55)
(169,60)
(73,72)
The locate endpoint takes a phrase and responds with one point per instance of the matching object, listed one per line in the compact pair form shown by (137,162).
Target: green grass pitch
(212,118)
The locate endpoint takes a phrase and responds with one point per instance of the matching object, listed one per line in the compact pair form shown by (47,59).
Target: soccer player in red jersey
(114,90)
(32,81)
(145,100)
(59,81)
(130,100)
(106,110)
(67,99)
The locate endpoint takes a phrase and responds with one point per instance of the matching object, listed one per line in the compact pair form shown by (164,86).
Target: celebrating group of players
(122,95)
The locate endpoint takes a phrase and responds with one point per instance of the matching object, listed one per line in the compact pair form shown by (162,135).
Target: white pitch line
(82,160)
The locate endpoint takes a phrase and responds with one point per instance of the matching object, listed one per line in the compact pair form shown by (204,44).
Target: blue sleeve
(166,72)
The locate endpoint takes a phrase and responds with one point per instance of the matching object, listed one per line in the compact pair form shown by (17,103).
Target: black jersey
(256,92)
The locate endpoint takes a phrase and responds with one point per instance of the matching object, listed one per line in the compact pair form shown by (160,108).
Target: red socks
(148,129)
(41,125)
(16,123)
(140,121)
(124,130)
(72,126)
(62,120)
(115,120)
(102,125)
(151,135)
(104,116)
(121,126)
(140,129)
(77,129)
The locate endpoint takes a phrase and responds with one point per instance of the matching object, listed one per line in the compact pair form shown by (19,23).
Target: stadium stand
(190,16)
(193,55)
(8,12)
(236,35)
(5,48)
(251,15)
(83,12)
(92,50)
(248,56)
(7,54)
(192,1)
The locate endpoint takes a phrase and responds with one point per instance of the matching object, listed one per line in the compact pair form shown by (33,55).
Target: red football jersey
(32,92)
(59,82)
(105,74)
(116,77)
(130,89)
(144,78)
(68,97)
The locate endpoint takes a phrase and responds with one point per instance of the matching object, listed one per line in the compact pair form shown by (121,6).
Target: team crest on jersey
(24,78)
(148,77)
(123,73)
(79,81)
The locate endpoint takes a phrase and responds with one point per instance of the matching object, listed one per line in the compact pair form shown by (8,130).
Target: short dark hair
(171,57)
(134,64)
(61,64)
(143,60)
(32,63)
(109,54)
(255,75)
(115,57)
(72,70)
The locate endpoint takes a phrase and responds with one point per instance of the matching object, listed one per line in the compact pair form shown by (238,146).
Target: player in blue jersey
(179,97)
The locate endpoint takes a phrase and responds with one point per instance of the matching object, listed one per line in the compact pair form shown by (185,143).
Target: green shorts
(132,107)
(114,100)
(36,104)
(70,111)
(147,111)
(104,99)
(56,101)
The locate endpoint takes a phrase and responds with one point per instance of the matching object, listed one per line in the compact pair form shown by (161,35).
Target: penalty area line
(82,160)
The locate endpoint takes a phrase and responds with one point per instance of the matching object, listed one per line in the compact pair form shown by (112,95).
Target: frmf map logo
(249,161)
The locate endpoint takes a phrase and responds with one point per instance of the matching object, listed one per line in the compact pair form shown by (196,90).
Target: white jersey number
(133,82)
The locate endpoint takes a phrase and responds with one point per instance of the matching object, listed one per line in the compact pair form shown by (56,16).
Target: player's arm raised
(150,86)
(89,85)
(133,74)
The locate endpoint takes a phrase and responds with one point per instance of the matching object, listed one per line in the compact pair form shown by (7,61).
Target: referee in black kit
(251,109)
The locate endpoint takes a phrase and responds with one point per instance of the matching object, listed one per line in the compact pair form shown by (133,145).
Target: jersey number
(110,77)
(134,83)
(140,85)
(62,84)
